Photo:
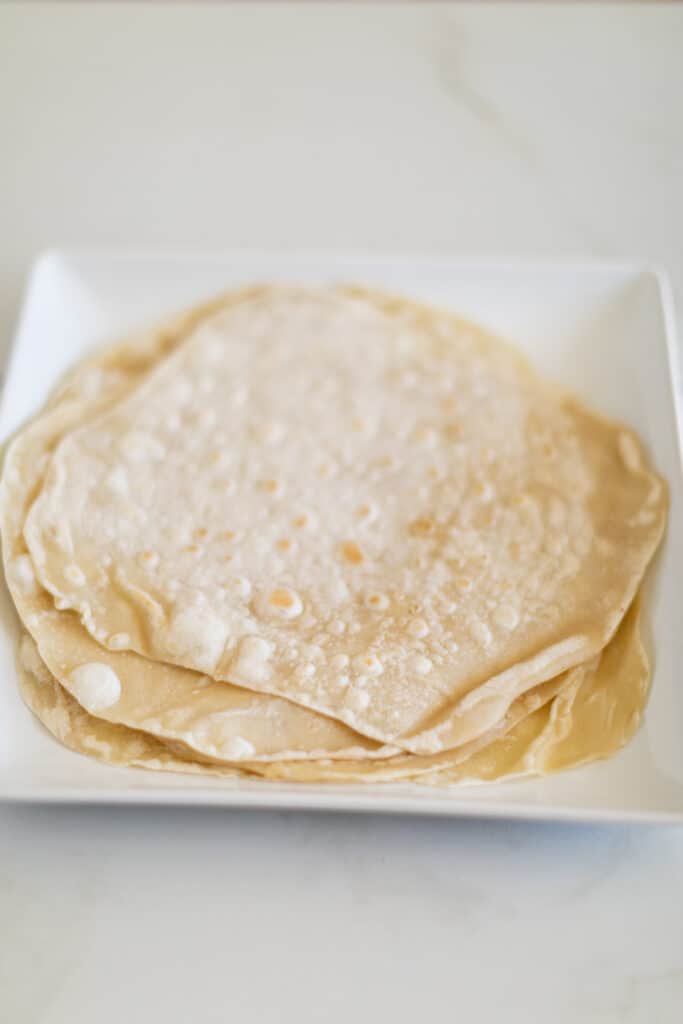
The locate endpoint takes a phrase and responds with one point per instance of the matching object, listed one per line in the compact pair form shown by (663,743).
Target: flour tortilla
(196,714)
(591,717)
(207,717)
(388,484)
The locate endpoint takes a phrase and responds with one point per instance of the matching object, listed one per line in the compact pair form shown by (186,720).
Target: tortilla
(194,713)
(365,507)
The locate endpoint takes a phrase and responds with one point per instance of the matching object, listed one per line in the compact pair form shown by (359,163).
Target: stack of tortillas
(322,534)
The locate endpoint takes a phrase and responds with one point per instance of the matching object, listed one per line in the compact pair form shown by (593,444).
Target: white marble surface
(462,130)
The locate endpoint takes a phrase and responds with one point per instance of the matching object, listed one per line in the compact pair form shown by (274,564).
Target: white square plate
(605,331)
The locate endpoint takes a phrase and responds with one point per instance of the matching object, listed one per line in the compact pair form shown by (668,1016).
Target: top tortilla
(371,509)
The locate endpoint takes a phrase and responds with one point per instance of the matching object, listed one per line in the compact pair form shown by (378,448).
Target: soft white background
(464,130)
